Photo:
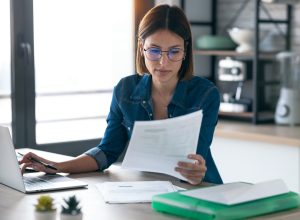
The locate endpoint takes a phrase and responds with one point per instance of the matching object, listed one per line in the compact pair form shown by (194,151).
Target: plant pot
(71,217)
(45,215)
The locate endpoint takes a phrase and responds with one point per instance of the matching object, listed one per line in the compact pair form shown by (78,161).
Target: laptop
(11,176)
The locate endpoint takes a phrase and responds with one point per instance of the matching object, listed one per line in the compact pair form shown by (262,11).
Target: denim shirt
(132,102)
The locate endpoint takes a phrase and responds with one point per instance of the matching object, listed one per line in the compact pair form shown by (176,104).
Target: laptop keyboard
(35,182)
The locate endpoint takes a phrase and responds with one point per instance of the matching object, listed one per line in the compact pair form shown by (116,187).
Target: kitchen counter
(270,133)
(254,153)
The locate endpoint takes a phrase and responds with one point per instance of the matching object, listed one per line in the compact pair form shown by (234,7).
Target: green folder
(193,208)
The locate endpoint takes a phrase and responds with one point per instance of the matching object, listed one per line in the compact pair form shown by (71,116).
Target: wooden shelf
(263,116)
(262,55)
(237,114)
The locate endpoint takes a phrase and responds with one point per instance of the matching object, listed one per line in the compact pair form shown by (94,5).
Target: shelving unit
(232,53)
(257,58)
(256,86)
(213,26)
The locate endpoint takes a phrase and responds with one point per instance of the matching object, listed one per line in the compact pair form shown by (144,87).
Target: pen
(40,162)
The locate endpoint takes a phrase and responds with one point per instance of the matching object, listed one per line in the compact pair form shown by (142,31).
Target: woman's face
(165,69)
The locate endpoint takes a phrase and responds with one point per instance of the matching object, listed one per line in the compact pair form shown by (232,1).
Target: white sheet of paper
(235,193)
(133,192)
(157,146)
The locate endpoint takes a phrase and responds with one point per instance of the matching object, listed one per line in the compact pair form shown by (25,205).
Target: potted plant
(44,209)
(71,209)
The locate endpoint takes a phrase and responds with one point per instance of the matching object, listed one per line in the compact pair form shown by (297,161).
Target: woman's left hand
(194,172)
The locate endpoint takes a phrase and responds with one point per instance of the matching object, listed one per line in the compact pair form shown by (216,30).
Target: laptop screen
(10,173)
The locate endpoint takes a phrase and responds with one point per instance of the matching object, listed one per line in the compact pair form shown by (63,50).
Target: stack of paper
(133,192)
(157,146)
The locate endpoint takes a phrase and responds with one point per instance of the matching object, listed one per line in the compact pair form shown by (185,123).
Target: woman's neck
(161,97)
(164,89)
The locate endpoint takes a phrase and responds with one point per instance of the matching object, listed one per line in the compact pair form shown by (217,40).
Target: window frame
(23,86)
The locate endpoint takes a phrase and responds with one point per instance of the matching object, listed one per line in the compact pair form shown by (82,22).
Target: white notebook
(235,193)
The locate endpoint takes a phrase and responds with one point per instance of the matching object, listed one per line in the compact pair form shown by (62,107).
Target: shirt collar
(180,93)
(143,91)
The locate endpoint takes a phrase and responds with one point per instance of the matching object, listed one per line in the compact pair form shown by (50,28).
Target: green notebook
(181,205)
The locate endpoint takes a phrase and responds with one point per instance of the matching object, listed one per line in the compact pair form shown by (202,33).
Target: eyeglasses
(174,54)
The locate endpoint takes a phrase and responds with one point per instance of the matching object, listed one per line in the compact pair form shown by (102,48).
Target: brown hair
(166,17)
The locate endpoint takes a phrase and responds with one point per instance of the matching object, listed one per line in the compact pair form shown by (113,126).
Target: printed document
(133,192)
(239,192)
(157,146)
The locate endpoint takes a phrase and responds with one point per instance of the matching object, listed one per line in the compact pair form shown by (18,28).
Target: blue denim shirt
(132,102)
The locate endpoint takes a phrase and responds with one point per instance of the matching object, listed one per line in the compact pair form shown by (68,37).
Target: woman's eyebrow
(154,45)
(177,45)
(173,46)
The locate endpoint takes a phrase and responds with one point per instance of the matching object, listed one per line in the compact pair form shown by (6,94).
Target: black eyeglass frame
(165,51)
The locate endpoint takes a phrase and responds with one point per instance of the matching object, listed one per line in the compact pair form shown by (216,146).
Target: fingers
(197,157)
(27,161)
(193,172)
(28,158)
(192,177)
(23,167)
(37,167)
(199,163)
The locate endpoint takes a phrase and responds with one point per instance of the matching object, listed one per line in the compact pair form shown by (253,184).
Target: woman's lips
(163,72)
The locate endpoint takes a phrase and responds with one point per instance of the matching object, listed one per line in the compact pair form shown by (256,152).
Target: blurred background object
(288,105)
(215,42)
(245,37)
(282,1)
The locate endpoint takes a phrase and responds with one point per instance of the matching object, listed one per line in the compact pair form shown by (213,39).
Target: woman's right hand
(31,160)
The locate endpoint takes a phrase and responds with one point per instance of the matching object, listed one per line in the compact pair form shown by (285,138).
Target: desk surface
(15,205)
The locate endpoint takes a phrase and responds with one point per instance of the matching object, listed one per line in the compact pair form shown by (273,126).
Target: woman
(163,88)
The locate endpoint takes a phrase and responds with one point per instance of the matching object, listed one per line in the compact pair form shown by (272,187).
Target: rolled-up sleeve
(99,156)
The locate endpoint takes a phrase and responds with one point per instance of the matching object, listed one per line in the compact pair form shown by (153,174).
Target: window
(67,57)
(81,49)
(5,81)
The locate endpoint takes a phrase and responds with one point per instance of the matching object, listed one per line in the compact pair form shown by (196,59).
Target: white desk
(15,205)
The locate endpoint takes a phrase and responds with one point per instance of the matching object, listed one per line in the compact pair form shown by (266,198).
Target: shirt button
(128,128)
(170,116)
(144,102)
(150,114)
